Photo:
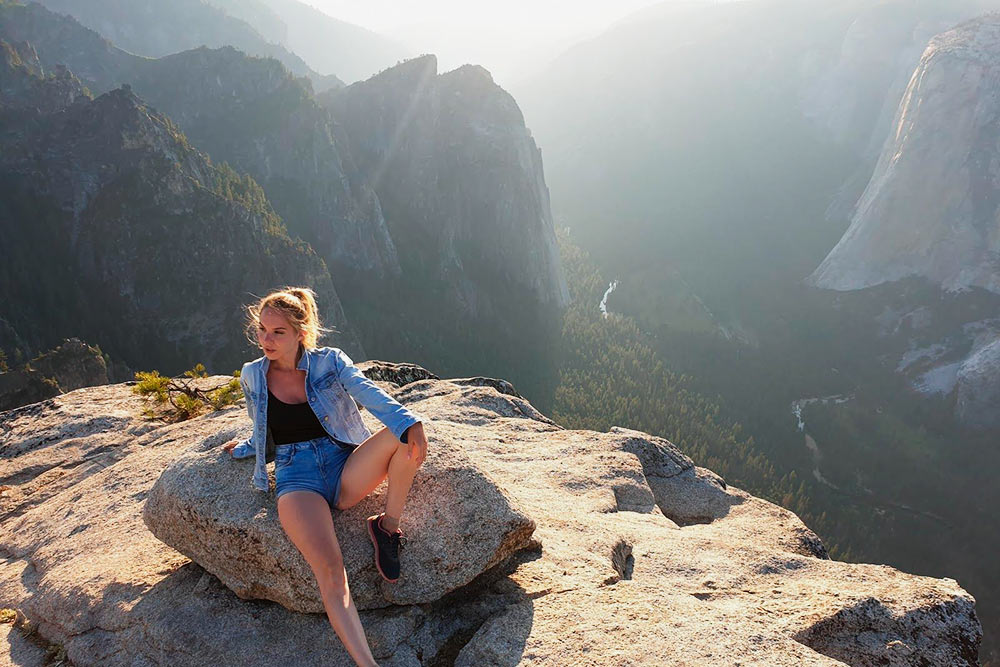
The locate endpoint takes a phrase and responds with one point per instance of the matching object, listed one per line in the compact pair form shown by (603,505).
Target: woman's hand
(416,442)
(229,446)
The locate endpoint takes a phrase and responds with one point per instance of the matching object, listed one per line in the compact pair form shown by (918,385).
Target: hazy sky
(508,38)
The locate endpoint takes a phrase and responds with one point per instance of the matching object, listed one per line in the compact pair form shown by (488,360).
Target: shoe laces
(395,537)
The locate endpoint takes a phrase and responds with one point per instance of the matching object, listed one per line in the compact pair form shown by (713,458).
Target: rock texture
(931,207)
(226,526)
(642,557)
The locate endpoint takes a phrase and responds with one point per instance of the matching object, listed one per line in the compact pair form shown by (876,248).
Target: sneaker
(386,548)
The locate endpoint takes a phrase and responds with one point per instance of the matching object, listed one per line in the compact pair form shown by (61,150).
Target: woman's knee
(342,504)
(403,454)
(330,572)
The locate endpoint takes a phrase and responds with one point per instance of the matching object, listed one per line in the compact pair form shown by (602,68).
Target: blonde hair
(298,305)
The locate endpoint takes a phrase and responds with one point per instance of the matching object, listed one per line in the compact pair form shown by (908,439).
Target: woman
(301,396)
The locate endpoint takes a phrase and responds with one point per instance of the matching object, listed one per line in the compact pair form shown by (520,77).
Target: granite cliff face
(149,248)
(253,114)
(978,388)
(637,554)
(931,207)
(459,178)
(853,98)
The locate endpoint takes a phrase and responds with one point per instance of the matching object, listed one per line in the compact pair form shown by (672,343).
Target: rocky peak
(403,75)
(459,178)
(24,84)
(470,89)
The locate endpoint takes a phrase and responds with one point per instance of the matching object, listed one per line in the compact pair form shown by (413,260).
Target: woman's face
(277,337)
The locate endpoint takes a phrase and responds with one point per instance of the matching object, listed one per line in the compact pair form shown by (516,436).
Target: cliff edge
(638,555)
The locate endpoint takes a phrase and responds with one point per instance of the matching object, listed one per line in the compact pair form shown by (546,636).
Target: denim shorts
(314,465)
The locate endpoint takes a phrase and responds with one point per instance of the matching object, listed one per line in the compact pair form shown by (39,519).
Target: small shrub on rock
(175,399)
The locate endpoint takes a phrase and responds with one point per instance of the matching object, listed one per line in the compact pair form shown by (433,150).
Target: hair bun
(297,305)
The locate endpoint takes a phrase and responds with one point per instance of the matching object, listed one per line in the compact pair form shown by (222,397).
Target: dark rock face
(72,365)
(251,113)
(260,119)
(149,248)
(459,179)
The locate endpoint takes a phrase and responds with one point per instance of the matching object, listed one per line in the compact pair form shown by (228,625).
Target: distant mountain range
(147,246)
(470,208)
(306,41)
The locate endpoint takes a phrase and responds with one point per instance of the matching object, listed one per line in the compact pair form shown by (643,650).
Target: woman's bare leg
(306,519)
(380,455)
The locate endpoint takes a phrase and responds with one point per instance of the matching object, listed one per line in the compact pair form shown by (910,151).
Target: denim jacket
(332,380)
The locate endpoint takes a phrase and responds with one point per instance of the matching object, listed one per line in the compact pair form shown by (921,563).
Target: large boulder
(459,523)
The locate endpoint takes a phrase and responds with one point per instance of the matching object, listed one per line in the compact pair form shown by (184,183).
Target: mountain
(930,211)
(459,178)
(327,44)
(157,29)
(930,208)
(478,248)
(674,140)
(256,116)
(250,112)
(697,151)
(854,96)
(478,251)
(148,247)
(698,135)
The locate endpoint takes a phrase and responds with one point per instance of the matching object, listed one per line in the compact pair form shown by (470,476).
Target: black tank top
(292,422)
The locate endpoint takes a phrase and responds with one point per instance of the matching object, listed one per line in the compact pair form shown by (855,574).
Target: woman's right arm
(243,448)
